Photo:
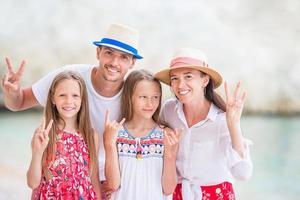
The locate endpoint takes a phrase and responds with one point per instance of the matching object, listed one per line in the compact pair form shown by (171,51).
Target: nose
(115,61)
(181,83)
(69,99)
(149,102)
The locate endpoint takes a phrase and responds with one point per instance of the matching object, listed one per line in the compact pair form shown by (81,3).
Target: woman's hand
(234,105)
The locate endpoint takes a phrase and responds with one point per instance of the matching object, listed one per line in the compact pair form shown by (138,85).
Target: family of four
(107,137)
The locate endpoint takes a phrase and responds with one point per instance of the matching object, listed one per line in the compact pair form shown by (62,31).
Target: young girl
(212,151)
(140,158)
(64,155)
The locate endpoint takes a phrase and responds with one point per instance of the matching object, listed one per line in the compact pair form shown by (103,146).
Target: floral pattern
(69,172)
(222,191)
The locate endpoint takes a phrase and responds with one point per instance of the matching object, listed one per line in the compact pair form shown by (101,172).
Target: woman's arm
(234,109)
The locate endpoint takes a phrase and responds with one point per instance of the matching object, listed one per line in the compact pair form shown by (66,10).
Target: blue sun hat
(121,37)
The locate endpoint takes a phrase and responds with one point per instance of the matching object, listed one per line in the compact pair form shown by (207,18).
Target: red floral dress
(69,172)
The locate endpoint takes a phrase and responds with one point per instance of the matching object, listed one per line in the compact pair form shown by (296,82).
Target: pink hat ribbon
(187,61)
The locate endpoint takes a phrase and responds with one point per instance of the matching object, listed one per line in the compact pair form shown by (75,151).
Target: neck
(70,125)
(104,87)
(196,111)
(140,127)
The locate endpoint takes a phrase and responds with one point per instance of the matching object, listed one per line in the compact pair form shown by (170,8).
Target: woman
(212,151)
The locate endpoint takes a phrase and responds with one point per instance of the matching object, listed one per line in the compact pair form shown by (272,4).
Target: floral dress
(69,172)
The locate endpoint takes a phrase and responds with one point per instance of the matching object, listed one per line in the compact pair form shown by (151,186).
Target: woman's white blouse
(205,156)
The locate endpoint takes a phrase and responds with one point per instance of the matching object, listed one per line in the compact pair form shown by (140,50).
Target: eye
(173,78)
(143,97)
(76,95)
(188,76)
(62,95)
(108,53)
(125,57)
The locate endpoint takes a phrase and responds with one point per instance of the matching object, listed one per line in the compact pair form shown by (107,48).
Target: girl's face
(67,99)
(188,84)
(145,99)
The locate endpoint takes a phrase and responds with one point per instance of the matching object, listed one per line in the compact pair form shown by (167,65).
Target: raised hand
(111,130)
(11,80)
(40,138)
(171,141)
(234,105)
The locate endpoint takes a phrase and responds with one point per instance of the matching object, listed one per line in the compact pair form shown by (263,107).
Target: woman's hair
(211,95)
(83,120)
(129,87)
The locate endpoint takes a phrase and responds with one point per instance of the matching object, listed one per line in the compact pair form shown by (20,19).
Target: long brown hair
(83,121)
(129,86)
(211,95)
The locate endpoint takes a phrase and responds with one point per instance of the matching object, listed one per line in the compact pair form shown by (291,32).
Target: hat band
(187,61)
(119,44)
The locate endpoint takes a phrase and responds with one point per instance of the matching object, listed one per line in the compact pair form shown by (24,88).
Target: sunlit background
(257,42)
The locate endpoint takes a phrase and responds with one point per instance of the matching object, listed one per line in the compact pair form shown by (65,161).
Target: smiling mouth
(111,69)
(183,92)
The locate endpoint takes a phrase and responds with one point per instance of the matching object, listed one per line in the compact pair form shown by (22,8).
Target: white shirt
(140,179)
(97,103)
(205,156)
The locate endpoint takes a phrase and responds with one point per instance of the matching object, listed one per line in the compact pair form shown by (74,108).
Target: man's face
(114,64)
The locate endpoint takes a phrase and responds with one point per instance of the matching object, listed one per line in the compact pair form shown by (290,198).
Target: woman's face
(188,84)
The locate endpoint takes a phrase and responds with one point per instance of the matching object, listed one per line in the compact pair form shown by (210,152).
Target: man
(116,53)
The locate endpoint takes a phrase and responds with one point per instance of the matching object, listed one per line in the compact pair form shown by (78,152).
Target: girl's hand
(40,138)
(11,80)
(234,105)
(171,141)
(111,130)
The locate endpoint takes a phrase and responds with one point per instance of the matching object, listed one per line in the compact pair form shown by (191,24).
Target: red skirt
(222,191)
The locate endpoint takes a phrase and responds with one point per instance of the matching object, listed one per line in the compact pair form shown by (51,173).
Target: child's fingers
(49,127)
(44,123)
(122,121)
(178,132)
(106,116)
(167,138)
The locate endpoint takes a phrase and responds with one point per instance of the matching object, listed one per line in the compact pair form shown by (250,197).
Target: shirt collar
(212,113)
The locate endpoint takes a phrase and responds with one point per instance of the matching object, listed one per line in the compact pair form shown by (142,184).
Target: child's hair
(129,86)
(83,120)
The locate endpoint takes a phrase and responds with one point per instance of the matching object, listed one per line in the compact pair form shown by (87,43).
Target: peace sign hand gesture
(40,138)
(11,80)
(111,130)
(234,105)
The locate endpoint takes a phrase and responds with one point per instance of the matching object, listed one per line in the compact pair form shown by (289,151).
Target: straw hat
(121,37)
(189,58)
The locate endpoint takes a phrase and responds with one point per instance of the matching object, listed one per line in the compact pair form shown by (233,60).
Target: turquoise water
(275,155)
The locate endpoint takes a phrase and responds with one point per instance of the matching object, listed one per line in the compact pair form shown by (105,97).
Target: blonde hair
(129,87)
(83,120)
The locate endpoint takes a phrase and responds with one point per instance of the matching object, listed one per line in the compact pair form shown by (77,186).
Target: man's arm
(22,100)
(16,98)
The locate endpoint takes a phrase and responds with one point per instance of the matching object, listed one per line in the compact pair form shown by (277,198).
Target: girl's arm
(39,143)
(234,109)
(169,175)
(34,172)
(112,170)
(95,175)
